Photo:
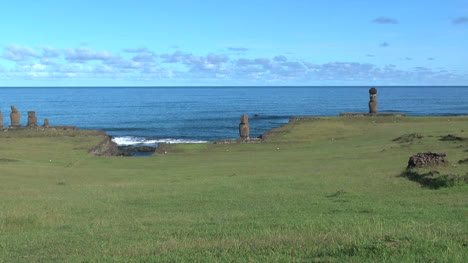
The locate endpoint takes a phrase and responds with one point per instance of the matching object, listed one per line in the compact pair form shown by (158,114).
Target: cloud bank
(141,64)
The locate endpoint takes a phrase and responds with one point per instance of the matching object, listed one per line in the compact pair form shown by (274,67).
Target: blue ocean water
(182,114)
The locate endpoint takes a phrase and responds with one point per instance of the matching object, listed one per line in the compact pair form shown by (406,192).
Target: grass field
(324,190)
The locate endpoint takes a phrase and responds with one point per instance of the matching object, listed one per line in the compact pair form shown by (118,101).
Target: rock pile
(426,159)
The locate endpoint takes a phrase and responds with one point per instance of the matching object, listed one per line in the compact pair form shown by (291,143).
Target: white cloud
(280,58)
(143,58)
(84,54)
(137,50)
(49,52)
(385,20)
(18,53)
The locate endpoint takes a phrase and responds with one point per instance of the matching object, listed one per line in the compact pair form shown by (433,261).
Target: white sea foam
(130,140)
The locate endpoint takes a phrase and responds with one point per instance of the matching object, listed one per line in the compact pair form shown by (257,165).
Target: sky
(233,43)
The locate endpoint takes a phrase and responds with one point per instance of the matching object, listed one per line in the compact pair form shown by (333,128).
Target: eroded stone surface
(373,100)
(426,159)
(15,116)
(32,119)
(244,127)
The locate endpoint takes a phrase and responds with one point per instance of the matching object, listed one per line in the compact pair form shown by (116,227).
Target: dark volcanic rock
(426,159)
(451,137)
(132,150)
(106,148)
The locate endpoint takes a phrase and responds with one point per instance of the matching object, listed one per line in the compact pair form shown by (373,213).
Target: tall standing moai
(15,117)
(32,119)
(46,123)
(244,127)
(373,101)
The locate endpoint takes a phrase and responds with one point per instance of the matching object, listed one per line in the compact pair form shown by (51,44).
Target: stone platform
(37,128)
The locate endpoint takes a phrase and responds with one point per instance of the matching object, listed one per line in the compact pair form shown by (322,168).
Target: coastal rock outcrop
(32,119)
(15,117)
(131,150)
(106,148)
(244,127)
(426,160)
(373,101)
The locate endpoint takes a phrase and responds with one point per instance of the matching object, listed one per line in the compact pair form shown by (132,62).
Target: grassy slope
(323,191)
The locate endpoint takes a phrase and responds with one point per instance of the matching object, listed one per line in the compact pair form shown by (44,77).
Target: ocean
(149,115)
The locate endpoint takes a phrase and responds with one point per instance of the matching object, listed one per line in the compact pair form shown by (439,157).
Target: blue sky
(293,42)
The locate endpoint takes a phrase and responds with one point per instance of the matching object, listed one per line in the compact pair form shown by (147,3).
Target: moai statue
(15,117)
(46,123)
(244,127)
(1,120)
(373,101)
(32,119)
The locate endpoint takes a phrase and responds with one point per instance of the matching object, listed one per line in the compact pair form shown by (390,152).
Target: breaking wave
(131,140)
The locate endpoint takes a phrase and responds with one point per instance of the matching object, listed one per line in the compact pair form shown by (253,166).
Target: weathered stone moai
(14,116)
(244,127)
(32,119)
(46,123)
(1,120)
(373,101)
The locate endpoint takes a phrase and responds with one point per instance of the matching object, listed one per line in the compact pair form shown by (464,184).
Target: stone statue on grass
(244,127)
(373,101)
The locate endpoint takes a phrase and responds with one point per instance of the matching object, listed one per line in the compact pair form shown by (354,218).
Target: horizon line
(247,86)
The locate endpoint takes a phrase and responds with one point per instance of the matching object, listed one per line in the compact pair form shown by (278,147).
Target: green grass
(325,190)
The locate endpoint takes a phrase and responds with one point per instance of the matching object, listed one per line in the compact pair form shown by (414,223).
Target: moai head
(373,94)
(13,109)
(46,123)
(244,118)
